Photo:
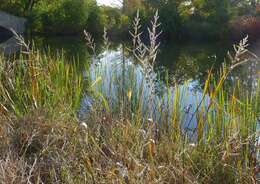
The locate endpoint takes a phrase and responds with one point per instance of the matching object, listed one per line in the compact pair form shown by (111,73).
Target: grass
(43,141)
(38,148)
(33,80)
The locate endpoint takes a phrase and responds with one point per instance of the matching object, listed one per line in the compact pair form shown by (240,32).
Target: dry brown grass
(43,149)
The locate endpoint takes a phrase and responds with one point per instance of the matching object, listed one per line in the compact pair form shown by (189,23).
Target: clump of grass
(33,80)
(116,150)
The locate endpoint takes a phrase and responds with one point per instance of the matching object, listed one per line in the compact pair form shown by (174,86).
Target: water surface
(185,65)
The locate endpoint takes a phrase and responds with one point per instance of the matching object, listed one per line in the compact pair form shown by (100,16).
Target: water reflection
(183,61)
(119,79)
(121,75)
(185,65)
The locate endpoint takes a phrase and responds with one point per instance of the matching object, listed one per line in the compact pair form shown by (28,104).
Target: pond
(180,72)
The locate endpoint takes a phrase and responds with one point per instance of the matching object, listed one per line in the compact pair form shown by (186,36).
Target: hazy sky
(109,2)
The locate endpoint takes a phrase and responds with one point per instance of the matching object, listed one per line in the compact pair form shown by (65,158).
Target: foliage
(191,18)
(206,18)
(109,17)
(196,19)
(199,19)
(60,16)
(63,16)
(68,16)
(19,7)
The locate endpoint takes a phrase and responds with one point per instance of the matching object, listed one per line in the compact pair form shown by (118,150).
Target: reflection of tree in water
(73,47)
(246,75)
(191,63)
(180,62)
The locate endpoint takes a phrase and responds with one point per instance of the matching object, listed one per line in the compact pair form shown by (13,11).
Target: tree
(130,6)
(19,7)
(29,4)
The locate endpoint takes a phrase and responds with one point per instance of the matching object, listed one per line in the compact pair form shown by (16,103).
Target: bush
(63,16)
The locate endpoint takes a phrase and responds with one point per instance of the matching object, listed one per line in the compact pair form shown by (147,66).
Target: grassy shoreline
(42,141)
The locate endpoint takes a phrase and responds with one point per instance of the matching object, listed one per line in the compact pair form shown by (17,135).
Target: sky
(109,2)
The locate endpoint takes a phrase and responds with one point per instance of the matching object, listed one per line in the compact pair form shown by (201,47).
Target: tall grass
(121,141)
(36,80)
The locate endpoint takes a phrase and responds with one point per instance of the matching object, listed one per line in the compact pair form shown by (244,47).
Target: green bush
(53,17)
(63,16)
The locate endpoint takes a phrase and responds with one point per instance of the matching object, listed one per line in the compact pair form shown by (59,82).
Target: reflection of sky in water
(186,63)
(120,78)
(111,69)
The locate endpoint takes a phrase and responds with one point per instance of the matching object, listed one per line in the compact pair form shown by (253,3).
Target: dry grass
(39,149)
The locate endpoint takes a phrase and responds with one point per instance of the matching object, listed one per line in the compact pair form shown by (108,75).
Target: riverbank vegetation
(180,19)
(44,141)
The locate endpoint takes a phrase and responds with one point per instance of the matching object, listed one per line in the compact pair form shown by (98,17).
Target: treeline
(198,19)
(65,16)
(180,19)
